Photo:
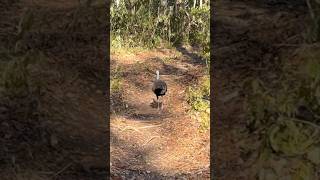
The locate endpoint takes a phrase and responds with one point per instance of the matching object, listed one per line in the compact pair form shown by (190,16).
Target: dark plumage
(159,87)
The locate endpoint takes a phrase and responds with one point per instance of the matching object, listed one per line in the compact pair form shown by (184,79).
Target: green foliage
(200,26)
(20,90)
(290,139)
(267,174)
(150,23)
(116,80)
(198,98)
(132,26)
(273,111)
(314,30)
(200,31)
(117,42)
(304,171)
(15,77)
(116,85)
(25,23)
(314,154)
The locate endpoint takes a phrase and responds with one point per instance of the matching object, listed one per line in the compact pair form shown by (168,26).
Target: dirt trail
(250,41)
(166,145)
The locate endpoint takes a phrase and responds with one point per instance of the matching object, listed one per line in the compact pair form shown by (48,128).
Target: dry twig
(153,137)
(63,169)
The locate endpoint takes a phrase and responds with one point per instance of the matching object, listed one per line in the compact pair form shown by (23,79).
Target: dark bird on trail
(159,88)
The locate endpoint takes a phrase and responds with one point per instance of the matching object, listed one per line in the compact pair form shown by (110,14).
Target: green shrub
(116,85)
(200,27)
(148,23)
(199,99)
(20,97)
(116,80)
(286,130)
(313,35)
(15,77)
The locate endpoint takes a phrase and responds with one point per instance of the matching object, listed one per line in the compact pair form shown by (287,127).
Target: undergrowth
(313,34)
(116,89)
(285,115)
(150,24)
(198,97)
(116,80)
(21,88)
(20,97)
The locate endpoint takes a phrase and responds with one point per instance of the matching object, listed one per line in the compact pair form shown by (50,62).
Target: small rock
(148,172)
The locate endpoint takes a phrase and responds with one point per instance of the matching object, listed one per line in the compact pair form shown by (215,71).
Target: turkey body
(159,88)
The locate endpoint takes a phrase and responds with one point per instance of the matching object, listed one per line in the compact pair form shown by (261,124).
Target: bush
(314,30)
(116,80)
(150,23)
(198,98)
(285,116)
(20,93)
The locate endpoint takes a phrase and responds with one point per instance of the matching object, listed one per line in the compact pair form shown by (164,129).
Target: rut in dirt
(160,145)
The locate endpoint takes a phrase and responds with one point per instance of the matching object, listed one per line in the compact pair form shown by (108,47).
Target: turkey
(159,88)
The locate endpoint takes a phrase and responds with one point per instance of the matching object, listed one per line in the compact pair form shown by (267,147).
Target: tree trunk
(175,7)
